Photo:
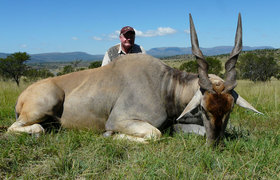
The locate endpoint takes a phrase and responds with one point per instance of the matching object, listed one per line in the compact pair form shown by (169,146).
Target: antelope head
(216,98)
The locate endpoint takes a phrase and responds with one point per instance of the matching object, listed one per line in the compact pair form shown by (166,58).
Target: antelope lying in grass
(135,96)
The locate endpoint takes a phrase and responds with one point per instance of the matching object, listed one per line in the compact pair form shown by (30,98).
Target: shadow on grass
(3,129)
(234,133)
(51,125)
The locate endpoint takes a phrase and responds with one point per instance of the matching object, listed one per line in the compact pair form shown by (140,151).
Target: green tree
(34,74)
(73,67)
(215,66)
(13,67)
(76,63)
(258,68)
(190,66)
(95,64)
(66,69)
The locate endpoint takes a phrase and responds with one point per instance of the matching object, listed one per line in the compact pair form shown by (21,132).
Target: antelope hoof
(108,133)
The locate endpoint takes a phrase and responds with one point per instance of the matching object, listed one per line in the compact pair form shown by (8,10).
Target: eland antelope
(135,96)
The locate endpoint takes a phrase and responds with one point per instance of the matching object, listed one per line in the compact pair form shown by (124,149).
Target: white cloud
(161,31)
(97,38)
(187,31)
(75,38)
(114,35)
(23,46)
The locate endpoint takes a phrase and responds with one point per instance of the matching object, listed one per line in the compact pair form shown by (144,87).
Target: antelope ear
(195,101)
(243,103)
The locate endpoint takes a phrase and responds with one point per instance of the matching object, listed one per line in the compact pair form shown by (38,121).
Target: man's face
(127,39)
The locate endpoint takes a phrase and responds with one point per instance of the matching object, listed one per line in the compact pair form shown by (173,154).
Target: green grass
(251,150)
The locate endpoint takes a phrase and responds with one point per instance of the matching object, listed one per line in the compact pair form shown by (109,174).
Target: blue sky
(43,26)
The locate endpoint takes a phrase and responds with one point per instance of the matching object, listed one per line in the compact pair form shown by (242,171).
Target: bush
(34,74)
(190,66)
(258,68)
(66,69)
(95,64)
(215,66)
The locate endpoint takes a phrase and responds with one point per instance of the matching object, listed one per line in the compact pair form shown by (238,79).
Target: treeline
(15,67)
(274,52)
(258,65)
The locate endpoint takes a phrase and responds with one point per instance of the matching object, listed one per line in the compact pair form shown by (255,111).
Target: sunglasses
(128,35)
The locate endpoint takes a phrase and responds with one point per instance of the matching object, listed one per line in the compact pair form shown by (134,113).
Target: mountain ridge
(172,51)
(156,52)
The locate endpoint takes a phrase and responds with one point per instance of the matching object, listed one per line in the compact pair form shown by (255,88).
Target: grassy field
(250,151)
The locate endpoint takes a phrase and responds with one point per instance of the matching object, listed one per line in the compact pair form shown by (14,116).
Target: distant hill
(156,52)
(60,57)
(64,57)
(3,55)
(172,51)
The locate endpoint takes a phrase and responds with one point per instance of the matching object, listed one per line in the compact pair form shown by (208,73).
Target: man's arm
(106,59)
(143,50)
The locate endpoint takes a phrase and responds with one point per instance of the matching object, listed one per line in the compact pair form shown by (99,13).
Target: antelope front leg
(190,128)
(30,129)
(133,130)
